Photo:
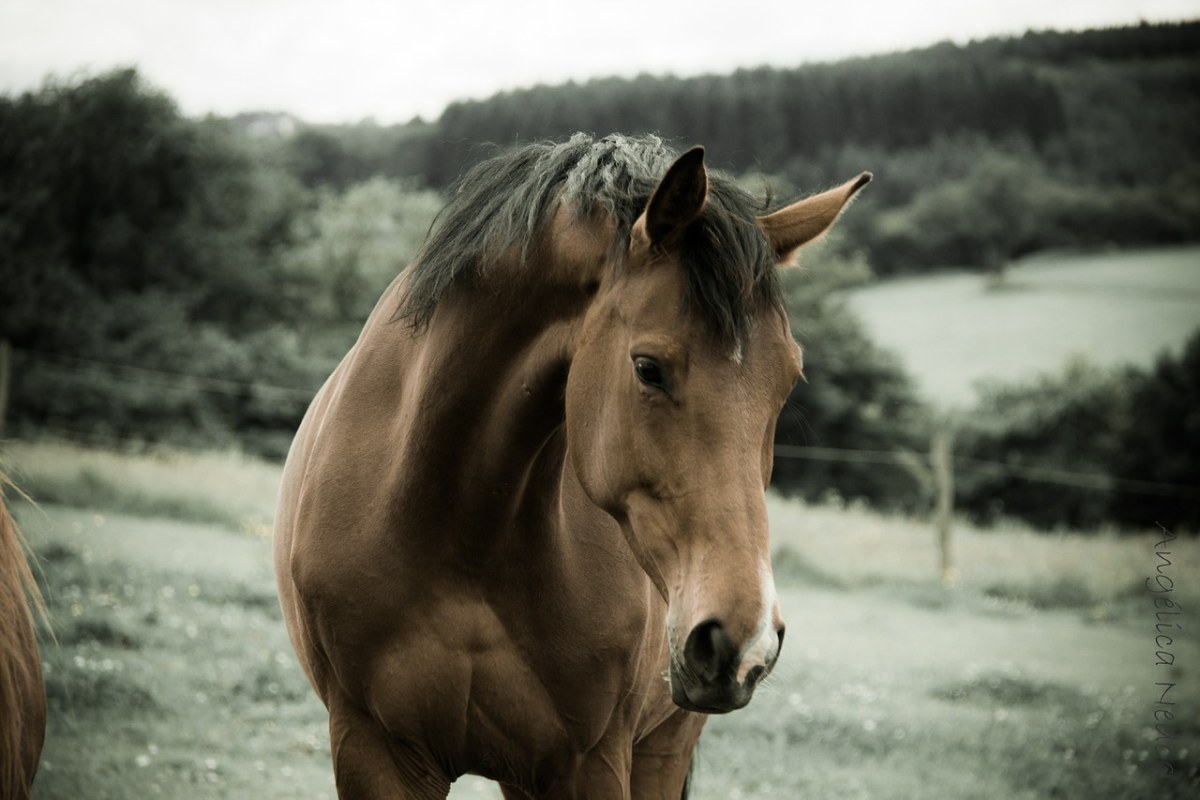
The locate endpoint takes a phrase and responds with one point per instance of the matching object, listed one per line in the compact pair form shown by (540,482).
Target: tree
(138,247)
(354,244)
(1161,443)
(983,220)
(855,396)
(1069,421)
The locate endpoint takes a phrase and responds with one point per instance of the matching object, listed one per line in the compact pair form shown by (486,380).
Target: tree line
(983,152)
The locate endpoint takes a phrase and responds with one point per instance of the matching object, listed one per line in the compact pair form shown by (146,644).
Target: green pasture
(169,673)
(956,329)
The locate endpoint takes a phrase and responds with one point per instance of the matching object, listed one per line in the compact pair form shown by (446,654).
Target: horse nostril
(755,675)
(709,651)
(780,632)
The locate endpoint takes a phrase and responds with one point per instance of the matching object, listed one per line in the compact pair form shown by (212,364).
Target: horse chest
(462,671)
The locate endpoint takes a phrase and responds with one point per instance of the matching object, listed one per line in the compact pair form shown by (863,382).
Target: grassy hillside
(169,673)
(954,330)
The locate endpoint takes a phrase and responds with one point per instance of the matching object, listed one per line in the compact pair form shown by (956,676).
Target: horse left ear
(677,201)
(789,228)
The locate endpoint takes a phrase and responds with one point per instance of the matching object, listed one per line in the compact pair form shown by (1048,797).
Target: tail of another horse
(22,691)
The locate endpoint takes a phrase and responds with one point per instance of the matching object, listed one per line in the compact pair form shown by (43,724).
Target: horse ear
(789,228)
(677,200)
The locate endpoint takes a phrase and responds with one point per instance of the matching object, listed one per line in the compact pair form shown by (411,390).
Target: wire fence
(915,463)
(1029,472)
(166,379)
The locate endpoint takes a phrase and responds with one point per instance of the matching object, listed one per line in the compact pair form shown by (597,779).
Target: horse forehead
(767,353)
(651,300)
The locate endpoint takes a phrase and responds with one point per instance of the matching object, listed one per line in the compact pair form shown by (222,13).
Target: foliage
(1123,424)
(134,236)
(993,214)
(110,194)
(1161,442)
(983,152)
(854,395)
(168,279)
(765,117)
(1007,203)
(1069,421)
(339,156)
(356,242)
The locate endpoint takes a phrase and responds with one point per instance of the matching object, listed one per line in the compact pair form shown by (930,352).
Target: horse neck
(519,352)
(478,417)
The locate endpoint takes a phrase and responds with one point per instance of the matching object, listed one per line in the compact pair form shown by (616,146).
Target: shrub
(1120,425)
(1070,421)
(1161,442)
(854,396)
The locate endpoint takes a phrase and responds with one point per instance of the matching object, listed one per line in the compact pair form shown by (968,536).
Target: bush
(983,219)
(356,242)
(854,396)
(1071,421)
(165,279)
(984,204)
(1161,443)
(1120,425)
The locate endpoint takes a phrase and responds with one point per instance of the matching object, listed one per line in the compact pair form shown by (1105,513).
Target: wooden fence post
(943,476)
(936,476)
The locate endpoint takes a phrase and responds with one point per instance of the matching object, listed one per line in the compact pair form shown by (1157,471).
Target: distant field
(170,674)
(953,330)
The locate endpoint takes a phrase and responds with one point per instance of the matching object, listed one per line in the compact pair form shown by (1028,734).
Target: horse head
(670,418)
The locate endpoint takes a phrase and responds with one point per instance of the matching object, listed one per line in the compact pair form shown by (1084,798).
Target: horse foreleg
(662,759)
(368,764)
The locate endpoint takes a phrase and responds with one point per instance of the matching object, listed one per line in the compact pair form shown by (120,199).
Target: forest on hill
(169,279)
(982,153)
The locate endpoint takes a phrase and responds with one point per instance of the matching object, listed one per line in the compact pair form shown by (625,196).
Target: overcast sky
(343,60)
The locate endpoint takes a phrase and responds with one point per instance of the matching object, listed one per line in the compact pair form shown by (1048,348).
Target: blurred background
(1000,427)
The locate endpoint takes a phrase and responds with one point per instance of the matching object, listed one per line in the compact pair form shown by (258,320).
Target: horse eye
(649,372)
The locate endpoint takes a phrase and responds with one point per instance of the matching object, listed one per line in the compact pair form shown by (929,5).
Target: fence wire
(905,459)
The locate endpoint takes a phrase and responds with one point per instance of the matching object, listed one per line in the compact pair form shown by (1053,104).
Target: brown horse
(22,693)
(522,529)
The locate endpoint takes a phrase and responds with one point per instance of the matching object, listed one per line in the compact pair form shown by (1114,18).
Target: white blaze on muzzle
(764,645)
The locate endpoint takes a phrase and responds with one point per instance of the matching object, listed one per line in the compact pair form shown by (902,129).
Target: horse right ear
(789,228)
(677,201)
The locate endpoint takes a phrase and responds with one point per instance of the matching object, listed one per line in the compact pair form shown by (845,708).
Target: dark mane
(504,201)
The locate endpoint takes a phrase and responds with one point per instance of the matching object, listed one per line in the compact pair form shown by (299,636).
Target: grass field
(953,330)
(169,673)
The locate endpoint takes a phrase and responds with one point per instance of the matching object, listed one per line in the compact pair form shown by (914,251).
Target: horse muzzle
(712,676)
